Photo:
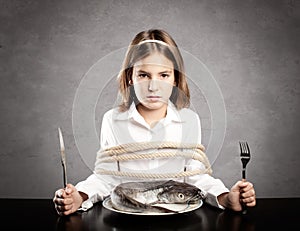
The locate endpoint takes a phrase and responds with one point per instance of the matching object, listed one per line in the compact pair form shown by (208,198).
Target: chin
(154,105)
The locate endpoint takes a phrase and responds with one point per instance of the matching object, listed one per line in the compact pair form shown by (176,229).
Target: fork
(245,158)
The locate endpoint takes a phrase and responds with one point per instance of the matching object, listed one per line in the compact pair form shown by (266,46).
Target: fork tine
(248,149)
(240,147)
(244,148)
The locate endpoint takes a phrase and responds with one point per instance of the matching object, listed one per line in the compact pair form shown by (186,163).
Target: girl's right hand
(67,200)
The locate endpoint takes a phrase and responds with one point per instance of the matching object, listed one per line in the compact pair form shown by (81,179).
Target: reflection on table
(39,214)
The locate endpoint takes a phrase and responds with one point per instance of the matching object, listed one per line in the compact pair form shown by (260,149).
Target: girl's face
(153,79)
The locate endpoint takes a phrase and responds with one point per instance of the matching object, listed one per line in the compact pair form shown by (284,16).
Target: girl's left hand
(242,192)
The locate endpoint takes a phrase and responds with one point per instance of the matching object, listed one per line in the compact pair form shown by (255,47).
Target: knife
(63,156)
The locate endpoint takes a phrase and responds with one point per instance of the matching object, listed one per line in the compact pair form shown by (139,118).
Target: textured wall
(251,48)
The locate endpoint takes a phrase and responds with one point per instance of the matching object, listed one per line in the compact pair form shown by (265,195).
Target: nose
(153,85)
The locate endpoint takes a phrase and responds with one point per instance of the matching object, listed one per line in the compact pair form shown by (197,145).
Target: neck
(152,116)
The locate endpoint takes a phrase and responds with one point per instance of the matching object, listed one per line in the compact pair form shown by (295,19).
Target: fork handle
(244,207)
(244,174)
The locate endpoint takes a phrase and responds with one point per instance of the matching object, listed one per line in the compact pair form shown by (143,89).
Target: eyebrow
(145,72)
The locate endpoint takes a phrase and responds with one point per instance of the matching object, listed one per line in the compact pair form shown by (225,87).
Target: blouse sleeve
(96,186)
(212,186)
(107,138)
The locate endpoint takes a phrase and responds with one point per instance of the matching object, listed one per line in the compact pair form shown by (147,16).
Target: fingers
(64,209)
(70,189)
(63,206)
(63,200)
(67,192)
(59,193)
(247,189)
(249,201)
(244,186)
(247,193)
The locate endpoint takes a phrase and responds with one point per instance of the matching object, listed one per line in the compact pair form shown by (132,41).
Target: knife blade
(63,157)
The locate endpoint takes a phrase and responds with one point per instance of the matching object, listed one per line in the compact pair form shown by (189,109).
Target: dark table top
(39,214)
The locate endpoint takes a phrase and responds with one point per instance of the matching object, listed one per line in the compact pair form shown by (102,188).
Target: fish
(154,196)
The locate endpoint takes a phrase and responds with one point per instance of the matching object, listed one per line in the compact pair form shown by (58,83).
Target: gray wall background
(250,47)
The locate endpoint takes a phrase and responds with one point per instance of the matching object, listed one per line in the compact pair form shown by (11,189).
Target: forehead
(154,60)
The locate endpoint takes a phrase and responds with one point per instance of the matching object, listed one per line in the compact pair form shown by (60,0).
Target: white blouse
(180,126)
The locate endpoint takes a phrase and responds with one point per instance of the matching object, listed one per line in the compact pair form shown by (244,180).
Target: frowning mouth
(154,98)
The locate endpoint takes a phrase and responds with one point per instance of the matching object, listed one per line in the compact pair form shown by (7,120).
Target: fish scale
(149,196)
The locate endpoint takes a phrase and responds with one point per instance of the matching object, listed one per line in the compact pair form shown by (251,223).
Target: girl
(154,109)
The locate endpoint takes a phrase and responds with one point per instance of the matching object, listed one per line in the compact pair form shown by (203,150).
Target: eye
(164,76)
(181,196)
(143,75)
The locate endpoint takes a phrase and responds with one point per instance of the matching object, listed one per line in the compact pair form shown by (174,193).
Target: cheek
(140,89)
(167,90)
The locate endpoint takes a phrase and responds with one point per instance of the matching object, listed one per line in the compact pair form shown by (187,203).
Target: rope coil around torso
(126,152)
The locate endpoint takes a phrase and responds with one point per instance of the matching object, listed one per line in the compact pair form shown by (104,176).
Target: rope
(134,147)
(126,152)
(161,154)
(151,175)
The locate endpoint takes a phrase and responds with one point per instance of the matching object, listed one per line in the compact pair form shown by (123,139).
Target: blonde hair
(144,44)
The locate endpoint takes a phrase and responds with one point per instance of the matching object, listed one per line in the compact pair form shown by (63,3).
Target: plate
(181,208)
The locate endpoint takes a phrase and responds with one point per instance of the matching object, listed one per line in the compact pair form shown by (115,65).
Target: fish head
(180,193)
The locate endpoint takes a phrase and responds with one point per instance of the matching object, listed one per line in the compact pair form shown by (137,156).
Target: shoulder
(108,114)
(115,114)
(186,114)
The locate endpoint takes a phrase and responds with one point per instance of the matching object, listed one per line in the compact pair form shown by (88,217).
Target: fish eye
(181,196)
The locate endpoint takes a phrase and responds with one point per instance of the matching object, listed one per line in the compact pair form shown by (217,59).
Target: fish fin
(135,203)
(153,203)
(163,209)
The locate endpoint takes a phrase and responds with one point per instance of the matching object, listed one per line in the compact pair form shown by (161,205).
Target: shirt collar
(172,114)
